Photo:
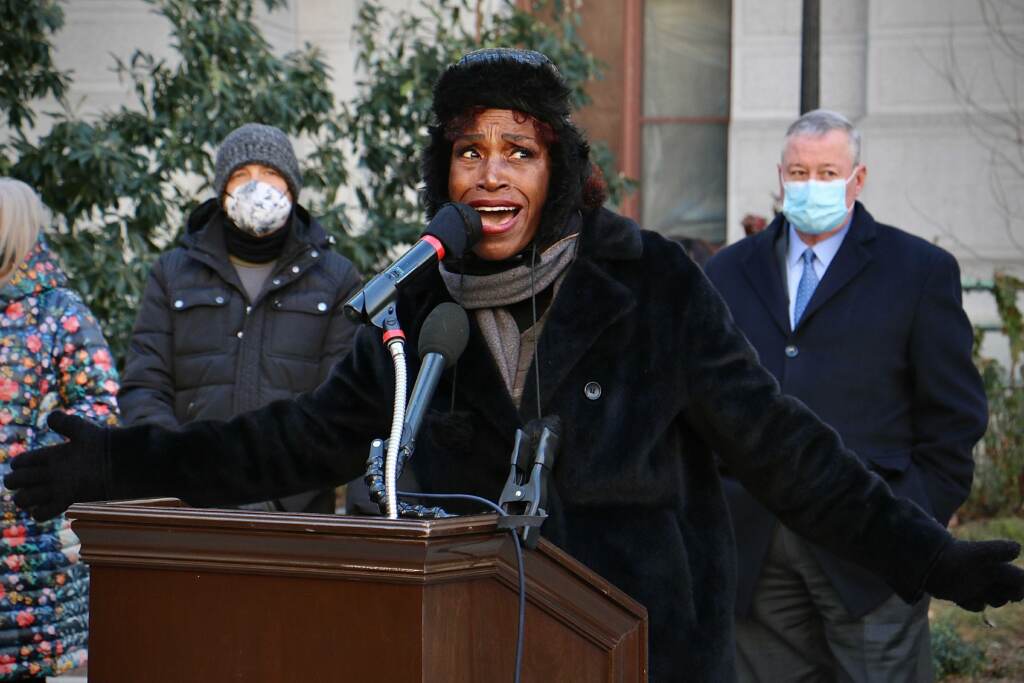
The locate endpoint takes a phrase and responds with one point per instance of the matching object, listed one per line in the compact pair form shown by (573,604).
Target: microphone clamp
(525,496)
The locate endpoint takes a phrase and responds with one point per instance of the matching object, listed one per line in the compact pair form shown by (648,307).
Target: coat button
(240,334)
(276,281)
(248,310)
(179,303)
(219,299)
(295,269)
(592,391)
(277,303)
(314,253)
(321,307)
(791,351)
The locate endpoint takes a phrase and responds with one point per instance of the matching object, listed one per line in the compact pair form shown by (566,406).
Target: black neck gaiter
(247,247)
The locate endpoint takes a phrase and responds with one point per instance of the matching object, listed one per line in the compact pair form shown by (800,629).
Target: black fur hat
(503,78)
(520,80)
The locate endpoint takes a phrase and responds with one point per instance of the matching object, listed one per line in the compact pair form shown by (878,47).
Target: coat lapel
(761,269)
(588,303)
(853,256)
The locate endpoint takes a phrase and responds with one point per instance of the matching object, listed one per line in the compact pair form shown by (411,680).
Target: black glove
(47,480)
(976,574)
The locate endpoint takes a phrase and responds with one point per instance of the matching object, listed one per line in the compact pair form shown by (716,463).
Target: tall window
(685,117)
(664,106)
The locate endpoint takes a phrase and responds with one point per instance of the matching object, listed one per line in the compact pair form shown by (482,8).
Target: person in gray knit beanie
(247,309)
(256,143)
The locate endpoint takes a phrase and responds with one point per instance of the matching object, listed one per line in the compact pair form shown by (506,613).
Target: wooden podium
(185,594)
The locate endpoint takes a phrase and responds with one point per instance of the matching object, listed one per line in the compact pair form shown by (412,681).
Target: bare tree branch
(943,229)
(996,126)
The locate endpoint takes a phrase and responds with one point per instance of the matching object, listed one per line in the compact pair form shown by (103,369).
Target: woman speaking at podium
(576,312)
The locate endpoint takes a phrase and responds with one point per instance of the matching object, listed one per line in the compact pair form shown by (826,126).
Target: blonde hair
(21,216)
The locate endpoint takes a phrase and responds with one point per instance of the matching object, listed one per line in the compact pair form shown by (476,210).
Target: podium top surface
(164,534)
(171,512)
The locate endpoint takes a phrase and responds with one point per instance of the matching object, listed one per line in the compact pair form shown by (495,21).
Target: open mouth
(497,217)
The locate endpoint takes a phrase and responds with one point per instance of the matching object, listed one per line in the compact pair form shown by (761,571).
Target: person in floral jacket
(52,357)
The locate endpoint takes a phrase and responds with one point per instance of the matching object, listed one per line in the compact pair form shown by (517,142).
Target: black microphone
(443,338)
(453,230)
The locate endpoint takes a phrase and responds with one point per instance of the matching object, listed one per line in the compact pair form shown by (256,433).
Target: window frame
(633,119)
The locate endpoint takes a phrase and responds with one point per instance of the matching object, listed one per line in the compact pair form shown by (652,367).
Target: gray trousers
(799,630)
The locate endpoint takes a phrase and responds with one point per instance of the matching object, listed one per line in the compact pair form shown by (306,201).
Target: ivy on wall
(999,458)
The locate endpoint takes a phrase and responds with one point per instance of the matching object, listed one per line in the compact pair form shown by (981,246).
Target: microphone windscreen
(445,331)
(457,226)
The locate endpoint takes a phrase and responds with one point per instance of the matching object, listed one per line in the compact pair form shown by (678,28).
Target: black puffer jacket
(201,350)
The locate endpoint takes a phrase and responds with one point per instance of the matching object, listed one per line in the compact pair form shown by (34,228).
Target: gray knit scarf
(487,296)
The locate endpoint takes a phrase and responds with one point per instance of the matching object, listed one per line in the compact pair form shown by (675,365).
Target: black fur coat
(636,491)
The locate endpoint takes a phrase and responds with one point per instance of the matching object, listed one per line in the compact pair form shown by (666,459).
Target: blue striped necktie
(806,286)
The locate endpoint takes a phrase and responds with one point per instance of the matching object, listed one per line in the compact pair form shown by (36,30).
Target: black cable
(455,368)
(455,379)
(521,629)
(536,337)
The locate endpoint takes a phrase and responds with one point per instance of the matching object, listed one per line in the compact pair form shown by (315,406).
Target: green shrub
(121,184)
(951,654)
(27,71)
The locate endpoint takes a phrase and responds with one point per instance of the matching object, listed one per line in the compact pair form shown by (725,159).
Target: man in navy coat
(862,322)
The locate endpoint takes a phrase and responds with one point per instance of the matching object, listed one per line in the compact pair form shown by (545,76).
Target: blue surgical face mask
(815,206)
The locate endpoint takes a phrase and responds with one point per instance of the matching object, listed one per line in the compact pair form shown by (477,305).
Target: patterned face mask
(258,208)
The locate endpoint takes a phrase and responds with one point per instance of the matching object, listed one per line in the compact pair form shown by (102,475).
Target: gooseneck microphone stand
(394,339)
(442,339)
